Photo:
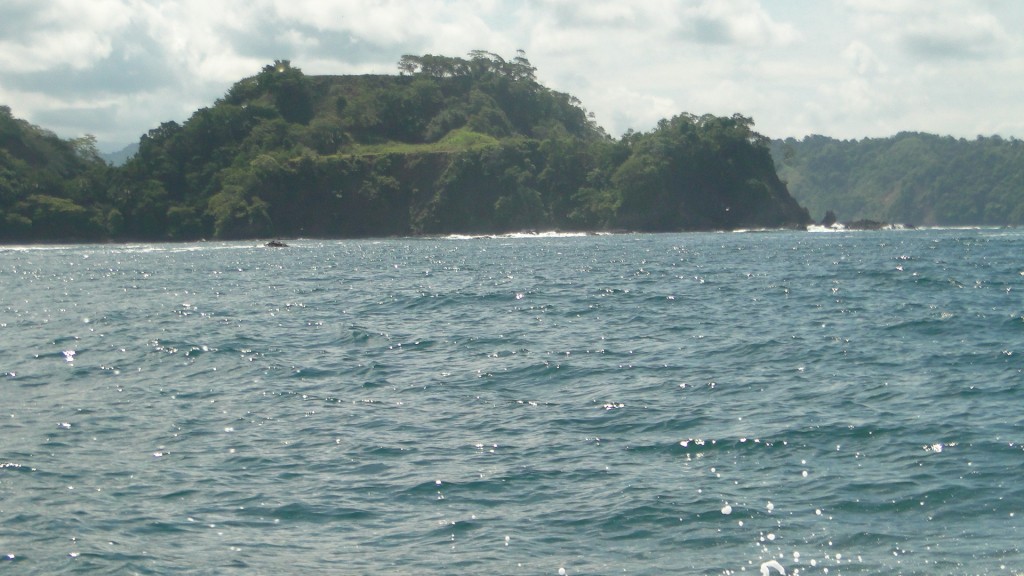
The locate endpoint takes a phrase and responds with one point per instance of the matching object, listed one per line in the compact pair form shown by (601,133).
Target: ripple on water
(516,405)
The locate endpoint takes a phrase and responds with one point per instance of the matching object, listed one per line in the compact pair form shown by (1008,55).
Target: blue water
(839,403)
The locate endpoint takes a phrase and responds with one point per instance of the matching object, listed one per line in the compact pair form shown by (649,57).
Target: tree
(234,217)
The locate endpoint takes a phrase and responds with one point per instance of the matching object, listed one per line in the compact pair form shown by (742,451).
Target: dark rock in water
(876,225)
(865,225)
(829,219)
(276,244)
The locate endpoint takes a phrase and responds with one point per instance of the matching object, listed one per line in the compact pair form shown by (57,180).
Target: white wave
(767,567)
(545,234)
(833,228)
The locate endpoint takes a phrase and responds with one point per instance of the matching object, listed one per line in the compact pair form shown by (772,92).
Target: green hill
(912,178)
(450,145)
(47,184)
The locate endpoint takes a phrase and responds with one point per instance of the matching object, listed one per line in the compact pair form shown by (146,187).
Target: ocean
(813,402)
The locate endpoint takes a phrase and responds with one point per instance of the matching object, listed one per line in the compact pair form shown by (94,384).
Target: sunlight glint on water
(840,403)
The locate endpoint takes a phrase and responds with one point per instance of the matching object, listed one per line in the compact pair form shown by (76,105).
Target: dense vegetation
(451,145)
(912,178)
(48,185)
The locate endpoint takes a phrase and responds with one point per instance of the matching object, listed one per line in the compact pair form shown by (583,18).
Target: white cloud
(954,36)
(63,33)
(743,22)
(862,59)
(853,68)
(601,13)
(939,30)
(625,108)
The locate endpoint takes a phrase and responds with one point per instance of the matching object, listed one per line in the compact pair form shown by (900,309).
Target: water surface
(841,403)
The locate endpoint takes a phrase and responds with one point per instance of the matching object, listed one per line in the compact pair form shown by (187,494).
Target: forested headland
(912,178)
(447,145)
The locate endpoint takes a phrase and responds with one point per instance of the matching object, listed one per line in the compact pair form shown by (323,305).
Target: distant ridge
(121,156)
(912,178)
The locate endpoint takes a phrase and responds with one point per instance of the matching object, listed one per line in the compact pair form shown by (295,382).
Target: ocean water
(822,403)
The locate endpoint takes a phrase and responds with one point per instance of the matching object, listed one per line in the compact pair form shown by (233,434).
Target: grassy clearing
(458,140)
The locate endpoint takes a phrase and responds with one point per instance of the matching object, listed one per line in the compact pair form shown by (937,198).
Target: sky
(848,69)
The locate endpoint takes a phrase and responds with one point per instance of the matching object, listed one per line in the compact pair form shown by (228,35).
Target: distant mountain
(450,145)
(121,156)
(911,178)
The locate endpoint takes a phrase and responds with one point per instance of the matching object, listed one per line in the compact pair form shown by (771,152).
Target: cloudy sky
(841,68)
